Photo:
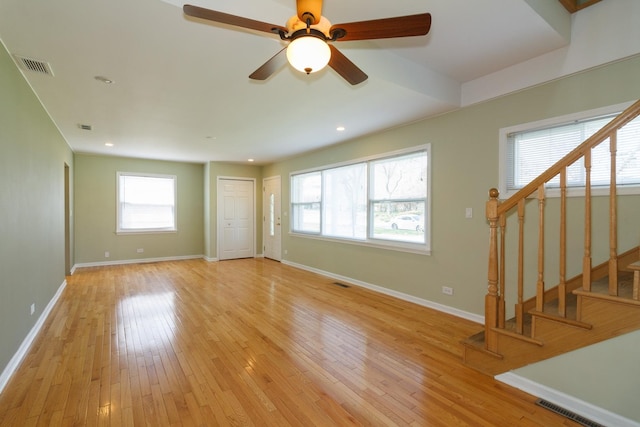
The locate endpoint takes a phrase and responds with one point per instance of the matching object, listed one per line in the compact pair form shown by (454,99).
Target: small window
(146,203)
(528,150)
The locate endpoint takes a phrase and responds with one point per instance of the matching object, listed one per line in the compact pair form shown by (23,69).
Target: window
(379,201)
(305,202)
(146,203)
(398,198)
(528,150)
(344,212)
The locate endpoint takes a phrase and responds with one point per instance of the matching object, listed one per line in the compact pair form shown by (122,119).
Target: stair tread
(601,286)
(625,285)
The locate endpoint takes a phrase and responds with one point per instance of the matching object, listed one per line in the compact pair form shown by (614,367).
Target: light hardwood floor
(250,342)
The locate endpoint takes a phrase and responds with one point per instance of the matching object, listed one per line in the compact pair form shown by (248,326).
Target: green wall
(604,375)
(33,155)
(464,158)
(95,211)
(95,219)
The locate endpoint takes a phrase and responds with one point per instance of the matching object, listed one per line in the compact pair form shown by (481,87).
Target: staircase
(599,303)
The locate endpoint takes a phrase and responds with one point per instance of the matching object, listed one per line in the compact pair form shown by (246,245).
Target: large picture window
(146,203)
(528,150)
(379,201)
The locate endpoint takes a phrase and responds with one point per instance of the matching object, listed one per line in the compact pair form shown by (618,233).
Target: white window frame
(419,248)
(171,229)
(548,123)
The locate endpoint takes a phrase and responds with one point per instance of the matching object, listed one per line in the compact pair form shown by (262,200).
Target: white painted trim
(405,297)
(566,401)
(17,358)
(209,259)
(137,261)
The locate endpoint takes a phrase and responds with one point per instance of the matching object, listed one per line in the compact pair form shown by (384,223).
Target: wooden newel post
(491,302)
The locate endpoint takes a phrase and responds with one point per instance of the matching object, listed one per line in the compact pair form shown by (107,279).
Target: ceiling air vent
(84,127)
(34,65)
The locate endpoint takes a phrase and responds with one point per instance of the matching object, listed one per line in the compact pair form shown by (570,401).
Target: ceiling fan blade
(271,66)
(347,69)
(401,26)
(225,18)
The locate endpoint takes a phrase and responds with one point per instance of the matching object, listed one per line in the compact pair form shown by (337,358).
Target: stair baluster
(496,213)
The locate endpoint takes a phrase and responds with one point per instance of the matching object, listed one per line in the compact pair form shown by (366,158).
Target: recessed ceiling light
(109,144)
(340,128)
(103,79)
(250,160)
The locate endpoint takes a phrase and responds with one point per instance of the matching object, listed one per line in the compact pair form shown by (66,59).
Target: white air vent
(34,65)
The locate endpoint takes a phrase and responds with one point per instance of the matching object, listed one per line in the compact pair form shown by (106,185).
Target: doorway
(236,218)
(272,219)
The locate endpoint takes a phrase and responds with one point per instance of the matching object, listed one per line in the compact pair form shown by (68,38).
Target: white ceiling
(181,89)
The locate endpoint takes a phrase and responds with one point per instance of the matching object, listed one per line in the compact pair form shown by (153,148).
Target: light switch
(468,213)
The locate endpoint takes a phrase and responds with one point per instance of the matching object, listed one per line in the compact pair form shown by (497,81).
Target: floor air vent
(35,65)
(568,414)
(342,285)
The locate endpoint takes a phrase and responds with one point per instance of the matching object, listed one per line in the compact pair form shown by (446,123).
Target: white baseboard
(216,259)
(406,297)
(580,407)
(135,261)
(17,358)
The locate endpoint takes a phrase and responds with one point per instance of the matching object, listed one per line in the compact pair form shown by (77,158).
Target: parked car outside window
(408,222)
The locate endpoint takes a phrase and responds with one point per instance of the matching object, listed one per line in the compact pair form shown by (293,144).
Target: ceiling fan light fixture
(308,53)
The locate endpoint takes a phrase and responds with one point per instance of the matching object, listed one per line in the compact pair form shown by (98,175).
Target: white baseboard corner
(17,358)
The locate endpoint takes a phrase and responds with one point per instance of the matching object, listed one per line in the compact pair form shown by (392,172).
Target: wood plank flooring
(250,342)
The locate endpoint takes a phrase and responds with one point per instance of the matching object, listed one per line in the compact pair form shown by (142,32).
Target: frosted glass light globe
(308,54)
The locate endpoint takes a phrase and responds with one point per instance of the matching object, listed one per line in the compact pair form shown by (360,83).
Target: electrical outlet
(106,254)
(33,308)
(468,213)
(140,250)
(447,290)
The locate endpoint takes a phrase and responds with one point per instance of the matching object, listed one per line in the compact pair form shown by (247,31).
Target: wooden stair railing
(497,212)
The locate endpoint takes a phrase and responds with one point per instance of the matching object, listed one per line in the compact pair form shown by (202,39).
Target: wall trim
(566,401)
(406,297)
(136,261)
(18,357)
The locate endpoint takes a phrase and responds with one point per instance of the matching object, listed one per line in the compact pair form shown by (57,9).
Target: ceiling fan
(308,34)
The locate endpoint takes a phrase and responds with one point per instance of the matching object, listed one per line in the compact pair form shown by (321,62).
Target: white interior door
(236,218)
(271,209)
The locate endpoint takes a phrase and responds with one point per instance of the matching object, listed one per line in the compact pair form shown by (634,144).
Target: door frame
(68,269)
(264,225)
(219,204)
